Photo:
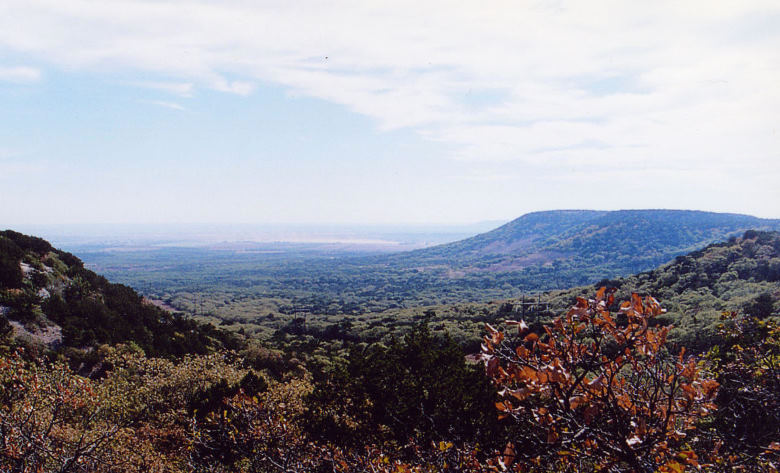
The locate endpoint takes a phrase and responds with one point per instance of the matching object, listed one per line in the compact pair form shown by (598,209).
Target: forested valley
(671,369)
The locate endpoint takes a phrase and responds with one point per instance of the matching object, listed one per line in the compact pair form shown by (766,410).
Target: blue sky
(371,112)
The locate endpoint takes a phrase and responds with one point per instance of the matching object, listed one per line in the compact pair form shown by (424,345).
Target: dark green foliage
(39,279)
(5,327)
(746,363)
(10,257)
(616,283)
(738,275)
(69,259)
(420,387)
(94,311)
(10,273)
(27,242)
(762,306)
(253,384)
(212,398)
(9,249)
(91,310)
(273,362)
(21,305)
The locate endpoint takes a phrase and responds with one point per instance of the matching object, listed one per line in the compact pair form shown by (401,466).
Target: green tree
(419,387)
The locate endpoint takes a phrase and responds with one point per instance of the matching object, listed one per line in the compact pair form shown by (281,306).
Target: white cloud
(7,153)
(234,87)
(13,170)
(182,89)
(163,103)
(680,84)
(20,74)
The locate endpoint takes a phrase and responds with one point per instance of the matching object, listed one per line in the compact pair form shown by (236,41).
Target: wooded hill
(50,299)
(741,275)
(636,240)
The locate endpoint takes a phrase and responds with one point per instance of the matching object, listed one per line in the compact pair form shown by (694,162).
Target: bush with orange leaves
(595,392)
(52,420)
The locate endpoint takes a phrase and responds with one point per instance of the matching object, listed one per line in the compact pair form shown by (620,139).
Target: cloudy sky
(378,112)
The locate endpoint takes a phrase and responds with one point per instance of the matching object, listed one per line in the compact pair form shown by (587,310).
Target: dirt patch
(455,274)
(50,336)
(161,304)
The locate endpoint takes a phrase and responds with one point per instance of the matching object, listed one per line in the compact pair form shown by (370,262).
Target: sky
(373,112)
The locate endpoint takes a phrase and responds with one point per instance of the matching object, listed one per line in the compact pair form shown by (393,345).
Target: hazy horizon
(355,236)
(348,224)
(380,237)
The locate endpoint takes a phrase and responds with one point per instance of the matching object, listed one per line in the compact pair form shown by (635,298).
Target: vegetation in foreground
(595,390)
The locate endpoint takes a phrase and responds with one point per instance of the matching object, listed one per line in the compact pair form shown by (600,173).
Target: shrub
(594,393)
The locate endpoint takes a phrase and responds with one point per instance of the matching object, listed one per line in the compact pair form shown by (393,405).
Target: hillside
(49,299)
(741,274)
(622,240)
(530,232)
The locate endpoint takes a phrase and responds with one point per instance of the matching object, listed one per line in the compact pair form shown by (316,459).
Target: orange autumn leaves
(599,390)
